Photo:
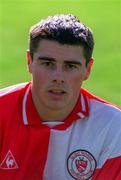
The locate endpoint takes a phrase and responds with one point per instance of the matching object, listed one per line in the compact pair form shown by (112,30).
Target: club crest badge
(81,164)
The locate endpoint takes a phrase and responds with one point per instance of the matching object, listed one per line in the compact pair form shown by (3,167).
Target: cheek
(37,77)
(77,79)
(40,78)
(75,83)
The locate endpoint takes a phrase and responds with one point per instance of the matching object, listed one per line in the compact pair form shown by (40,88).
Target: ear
(29,61)
(88,68)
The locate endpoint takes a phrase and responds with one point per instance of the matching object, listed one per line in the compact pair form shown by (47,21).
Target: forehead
(56,50)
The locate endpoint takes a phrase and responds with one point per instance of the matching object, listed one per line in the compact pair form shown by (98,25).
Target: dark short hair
(65,29)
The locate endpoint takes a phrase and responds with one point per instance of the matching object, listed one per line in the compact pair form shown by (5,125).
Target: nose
(58,75)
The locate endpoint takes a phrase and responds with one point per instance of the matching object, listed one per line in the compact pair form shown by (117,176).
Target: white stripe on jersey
(11,89)
(81,115)
(83,103)
(25,121)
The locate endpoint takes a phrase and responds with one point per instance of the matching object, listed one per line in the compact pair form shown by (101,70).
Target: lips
(56,93)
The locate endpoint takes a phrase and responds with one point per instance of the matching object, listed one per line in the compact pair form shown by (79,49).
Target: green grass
(103,16)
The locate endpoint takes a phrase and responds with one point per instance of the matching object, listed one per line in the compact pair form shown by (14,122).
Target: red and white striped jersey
(87,145)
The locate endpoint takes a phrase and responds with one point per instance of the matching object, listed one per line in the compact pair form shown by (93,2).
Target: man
(50,128)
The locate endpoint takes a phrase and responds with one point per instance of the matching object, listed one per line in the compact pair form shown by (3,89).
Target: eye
(70,66)
(47,63)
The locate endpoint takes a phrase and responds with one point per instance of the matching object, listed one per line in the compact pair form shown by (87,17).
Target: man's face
(58,72)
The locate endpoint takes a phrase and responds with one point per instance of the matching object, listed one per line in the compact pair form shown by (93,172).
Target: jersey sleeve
(110,170)
(109,163)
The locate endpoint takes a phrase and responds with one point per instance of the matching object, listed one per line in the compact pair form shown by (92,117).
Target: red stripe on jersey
(28,145)
(29,149)
(110,170)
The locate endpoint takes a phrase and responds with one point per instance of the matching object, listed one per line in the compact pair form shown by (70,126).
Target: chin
(57,106)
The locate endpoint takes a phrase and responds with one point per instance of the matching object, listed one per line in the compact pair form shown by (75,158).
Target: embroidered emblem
(81,164)
(9,162)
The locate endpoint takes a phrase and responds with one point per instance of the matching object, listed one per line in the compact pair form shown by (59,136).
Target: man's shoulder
(98,102)
(105,109)
(102,110)
(9,95)
(12,89)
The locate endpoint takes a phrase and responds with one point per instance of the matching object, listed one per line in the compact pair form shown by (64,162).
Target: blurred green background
(104,18)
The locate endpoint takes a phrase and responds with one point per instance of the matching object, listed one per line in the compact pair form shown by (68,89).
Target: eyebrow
(53,60)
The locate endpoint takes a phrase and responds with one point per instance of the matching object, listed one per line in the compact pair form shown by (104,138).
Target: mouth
(57,93)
